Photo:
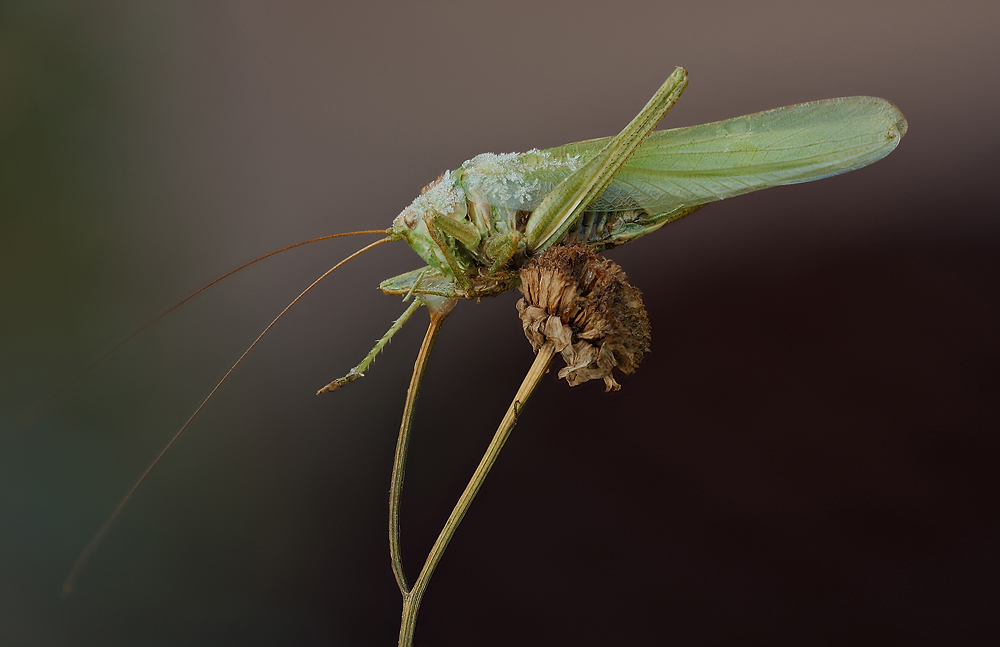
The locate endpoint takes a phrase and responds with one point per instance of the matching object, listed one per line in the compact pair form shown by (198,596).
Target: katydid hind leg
(562,206)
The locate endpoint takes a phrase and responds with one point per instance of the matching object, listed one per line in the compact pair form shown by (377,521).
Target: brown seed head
(583,305)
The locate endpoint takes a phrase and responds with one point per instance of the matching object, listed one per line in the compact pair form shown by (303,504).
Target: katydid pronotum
(480,227)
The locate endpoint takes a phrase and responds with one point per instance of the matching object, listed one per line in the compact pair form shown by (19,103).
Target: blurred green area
(72,111)
(63,165)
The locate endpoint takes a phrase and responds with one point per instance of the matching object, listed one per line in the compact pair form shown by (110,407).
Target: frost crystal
(514,180)
(441,196)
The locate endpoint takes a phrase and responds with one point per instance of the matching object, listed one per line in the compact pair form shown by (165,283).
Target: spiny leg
(437,234)
(359,370)
(438,315)
(416,284)
(561,208)
(460,230)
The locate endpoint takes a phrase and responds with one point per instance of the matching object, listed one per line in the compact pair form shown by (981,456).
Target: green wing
(678,169)
(686,167)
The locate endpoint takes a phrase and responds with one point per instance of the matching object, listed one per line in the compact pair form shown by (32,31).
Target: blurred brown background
(808,455)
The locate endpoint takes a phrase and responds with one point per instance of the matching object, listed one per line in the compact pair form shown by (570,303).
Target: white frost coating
(442,197)
(512,179)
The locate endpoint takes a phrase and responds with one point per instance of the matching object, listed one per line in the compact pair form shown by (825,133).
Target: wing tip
(900,125)
(897,124)
(893,117)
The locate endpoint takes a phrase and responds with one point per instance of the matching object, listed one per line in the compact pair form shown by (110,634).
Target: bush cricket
(535,221)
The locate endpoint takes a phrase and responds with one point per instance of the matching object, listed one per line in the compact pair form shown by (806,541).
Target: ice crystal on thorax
(441,196)
(513,180)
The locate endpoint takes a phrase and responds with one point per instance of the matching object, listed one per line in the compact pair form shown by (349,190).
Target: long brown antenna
(33,411)
(84,557)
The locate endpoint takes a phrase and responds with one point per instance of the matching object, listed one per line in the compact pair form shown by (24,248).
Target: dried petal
(583,305)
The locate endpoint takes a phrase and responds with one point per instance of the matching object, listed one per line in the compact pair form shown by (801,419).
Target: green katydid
(479,226)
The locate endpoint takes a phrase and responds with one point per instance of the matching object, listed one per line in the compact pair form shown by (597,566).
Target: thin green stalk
(413,597)
(399,462)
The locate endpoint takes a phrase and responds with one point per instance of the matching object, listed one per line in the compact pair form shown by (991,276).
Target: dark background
(808,456)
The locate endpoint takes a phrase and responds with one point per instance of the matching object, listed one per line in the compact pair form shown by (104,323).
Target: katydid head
(443,197)
(440,208)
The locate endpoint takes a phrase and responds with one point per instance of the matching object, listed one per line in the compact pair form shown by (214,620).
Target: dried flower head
(583,305)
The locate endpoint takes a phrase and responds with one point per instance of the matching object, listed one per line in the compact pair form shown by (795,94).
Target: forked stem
(413,597)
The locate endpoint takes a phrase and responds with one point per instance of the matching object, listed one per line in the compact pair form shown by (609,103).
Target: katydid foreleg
(438,236)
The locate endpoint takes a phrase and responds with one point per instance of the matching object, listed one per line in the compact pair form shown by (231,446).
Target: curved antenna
(35,409)
(84,557)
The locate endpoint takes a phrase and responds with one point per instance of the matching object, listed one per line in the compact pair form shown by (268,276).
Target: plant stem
(399,462)
(413,597)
